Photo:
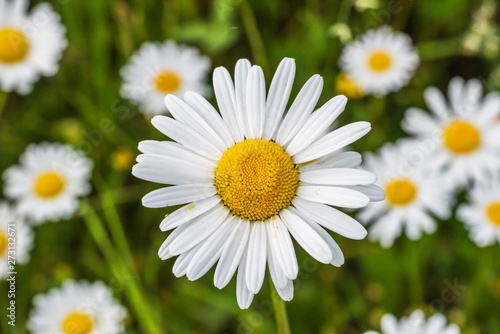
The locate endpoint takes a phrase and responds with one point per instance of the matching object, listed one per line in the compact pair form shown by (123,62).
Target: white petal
(337,196)
(243,295)
(211,250)
(199,230)
(277,275)
(210,115)
(188,116)
(333,141)
(176,195)
(256,262)
(175,150)
(306,236)
(164,252)
(186,136)
(300,110)
(188,212)
(287,292)
(436,102)
(279,93)
(282,246)
(338,176)
(183,261)
(374,192)
(337,160)
(331,218)
(225,95)
(232,253)
(317,123)
(255,101)
(168,170)
(240,83)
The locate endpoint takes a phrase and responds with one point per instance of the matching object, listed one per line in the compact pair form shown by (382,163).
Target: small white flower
(482,214)
(462,137)
(48,181)
(31,44)
(77,307)
(253,177)
(13,226)
(158,69)
(380,61)
(412,193)
(416,324)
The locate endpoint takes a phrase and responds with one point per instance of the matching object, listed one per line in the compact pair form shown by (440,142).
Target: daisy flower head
(482,214)
(416,324)
(31,44)
(48,181)
(462,136)
(77,308)
(159,69)
(13,227)
(380,61)
(253,177)
(412,195)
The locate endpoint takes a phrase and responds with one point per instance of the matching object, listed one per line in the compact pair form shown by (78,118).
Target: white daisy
(13,226)
(380,61)
(412,193)
(462,138)
(77,308)
(48,181)
(482,214)
(253,177)
(31,44)
(158,69)
(416,324)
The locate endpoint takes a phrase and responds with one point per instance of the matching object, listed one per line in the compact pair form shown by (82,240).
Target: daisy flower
(13,226)
(158,69)
(48,181)
(380,61)
(346,86)
(462,137)
(482,214)
(416,324)
(253,177)
(77,308)
(412,193)
(31,44)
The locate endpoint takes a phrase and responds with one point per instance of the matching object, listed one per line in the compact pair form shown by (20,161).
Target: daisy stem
(413,272)
(283,327)
(253,35)
(3,100)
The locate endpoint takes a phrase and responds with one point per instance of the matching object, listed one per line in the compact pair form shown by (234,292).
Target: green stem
(283,327)
(253,35)
(121,270)
(413,273)
(3,100)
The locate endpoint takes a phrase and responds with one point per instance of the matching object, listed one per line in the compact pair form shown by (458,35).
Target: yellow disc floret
(49,184)
(14,46)
(77,323)
(345,85)
(167,82)
(461,137)
(3,243)
(379,61)
(400,192)
(493,213)
(256,179)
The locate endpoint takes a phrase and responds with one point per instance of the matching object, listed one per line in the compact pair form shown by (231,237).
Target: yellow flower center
(49,184)
(14,46)
(256,179)
(461,137)
(400,192)
(77,323)
(379,61)
(3,243)
(493,212)
(346,86)
(167,82)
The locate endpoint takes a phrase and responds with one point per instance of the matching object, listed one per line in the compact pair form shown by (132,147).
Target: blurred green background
(444,272)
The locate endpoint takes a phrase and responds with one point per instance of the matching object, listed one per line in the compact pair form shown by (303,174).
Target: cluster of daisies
(50,177)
